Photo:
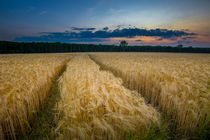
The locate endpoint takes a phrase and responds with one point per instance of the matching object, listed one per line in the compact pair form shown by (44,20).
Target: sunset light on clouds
(54,21)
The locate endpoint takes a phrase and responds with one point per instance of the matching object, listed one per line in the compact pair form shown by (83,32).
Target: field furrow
(95,105)
(178,84)
(25,84)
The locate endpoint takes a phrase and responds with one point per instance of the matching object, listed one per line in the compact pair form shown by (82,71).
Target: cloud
(59,39)
(189,37)
(99,35)
(159,39)
(106,28)
(82,29)
(186,40)
(138,40)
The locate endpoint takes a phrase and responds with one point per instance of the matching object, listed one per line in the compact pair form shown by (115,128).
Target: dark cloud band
(89,34)
(82,29)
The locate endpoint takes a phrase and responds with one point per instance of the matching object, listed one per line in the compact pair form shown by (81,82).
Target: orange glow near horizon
(148,40)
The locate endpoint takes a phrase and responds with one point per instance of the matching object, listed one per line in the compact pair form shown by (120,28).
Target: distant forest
(7,47)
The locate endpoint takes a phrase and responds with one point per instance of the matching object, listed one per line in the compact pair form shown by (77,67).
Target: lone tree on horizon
(180,46)
(123,43)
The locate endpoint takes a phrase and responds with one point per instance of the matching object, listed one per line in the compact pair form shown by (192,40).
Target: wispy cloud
(82,29)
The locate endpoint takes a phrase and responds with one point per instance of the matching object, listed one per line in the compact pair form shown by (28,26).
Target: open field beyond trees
(111,96)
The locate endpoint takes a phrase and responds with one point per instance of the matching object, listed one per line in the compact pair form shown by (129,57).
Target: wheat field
(95,105)
(178,84)
(25,82)
(106,95)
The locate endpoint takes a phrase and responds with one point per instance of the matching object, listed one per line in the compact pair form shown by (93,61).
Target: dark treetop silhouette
(45,47)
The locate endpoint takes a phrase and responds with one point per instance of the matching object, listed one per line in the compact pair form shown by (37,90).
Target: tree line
(8,47)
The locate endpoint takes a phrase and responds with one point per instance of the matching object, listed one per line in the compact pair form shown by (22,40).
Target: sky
(139,22)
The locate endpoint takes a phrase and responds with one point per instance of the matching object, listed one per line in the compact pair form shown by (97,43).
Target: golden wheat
(25,81)
(95,105)
(179,84)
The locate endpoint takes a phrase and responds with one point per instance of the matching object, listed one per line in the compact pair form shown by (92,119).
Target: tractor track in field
(44,123)
(168,126)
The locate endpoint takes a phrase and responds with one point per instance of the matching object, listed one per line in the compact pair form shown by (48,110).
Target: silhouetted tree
(180,46)
(123,43)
